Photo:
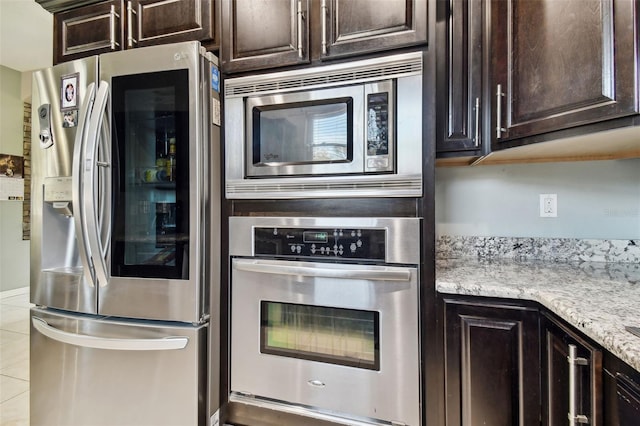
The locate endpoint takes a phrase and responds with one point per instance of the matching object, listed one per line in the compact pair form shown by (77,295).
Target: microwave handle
(379,274)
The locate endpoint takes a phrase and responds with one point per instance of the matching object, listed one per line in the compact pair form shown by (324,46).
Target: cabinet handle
(300,19)
(476,138)
(324,26)
(112,35)
(499,96)
(130,12)
(574,361)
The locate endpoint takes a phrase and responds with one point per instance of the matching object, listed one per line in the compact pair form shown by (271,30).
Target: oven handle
(378,274)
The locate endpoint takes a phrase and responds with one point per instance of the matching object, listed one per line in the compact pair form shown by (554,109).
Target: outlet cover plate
(548,205)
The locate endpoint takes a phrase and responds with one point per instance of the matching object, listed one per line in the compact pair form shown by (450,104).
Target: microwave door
(311,133)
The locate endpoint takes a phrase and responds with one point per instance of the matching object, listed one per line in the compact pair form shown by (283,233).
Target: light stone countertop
(597,298)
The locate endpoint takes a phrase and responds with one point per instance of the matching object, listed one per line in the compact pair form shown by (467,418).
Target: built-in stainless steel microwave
(345,130)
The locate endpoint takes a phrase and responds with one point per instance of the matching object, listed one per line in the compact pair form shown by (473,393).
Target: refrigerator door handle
(109,343)
(90,162)
(80,224)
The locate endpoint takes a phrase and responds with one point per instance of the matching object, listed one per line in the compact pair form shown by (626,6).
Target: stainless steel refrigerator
(124,250)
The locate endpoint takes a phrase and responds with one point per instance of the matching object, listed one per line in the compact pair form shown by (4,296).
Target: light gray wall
(596,199)
(14,252)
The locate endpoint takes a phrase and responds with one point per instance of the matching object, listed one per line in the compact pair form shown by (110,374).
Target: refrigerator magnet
(69,92)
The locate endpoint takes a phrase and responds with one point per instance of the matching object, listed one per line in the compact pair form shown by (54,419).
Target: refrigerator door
(101,372)
(157,110)
(61,269)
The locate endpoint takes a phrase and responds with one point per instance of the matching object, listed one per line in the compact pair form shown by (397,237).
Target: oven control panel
(351,243)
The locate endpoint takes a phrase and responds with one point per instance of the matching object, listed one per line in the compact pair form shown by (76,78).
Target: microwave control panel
(352,243)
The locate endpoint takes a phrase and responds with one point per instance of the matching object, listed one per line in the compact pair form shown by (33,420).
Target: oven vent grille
(410,187)
(369,70)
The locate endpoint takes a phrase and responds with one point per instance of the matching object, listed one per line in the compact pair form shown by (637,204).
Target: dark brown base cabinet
(118,24)
(492,363)
(513,363)
(571,376)
(622,393)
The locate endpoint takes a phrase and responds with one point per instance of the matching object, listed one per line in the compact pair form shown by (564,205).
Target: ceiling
(26,35)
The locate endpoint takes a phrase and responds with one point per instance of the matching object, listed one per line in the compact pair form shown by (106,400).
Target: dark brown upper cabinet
(261,34)
(560,64)
(264,34)
(460,53)
(117,24)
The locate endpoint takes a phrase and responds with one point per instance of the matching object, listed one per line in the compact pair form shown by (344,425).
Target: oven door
(327,338)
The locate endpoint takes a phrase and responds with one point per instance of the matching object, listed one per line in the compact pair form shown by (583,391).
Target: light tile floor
(14,358)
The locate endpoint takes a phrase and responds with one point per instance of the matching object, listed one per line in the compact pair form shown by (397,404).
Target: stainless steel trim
(90,187)
(476,138)
(574,361)
(240,398)
(130,12)
(382,273)
(318,187)
(323,8)
(393,66)
(300,18)
(403,233)
(77,203)
(86,341)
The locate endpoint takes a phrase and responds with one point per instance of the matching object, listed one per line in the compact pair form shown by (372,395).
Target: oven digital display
(327,243)
(378,124)
(315,237)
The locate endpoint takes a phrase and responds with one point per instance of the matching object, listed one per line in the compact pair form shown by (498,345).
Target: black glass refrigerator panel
(150,178)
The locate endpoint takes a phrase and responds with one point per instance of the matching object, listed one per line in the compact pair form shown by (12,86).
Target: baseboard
(14,292)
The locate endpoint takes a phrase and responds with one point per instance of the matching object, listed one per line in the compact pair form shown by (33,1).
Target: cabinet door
(459,74)
(351,27)
(560,64)
(259,34)
(556,376)
(154,22)
(88,30)
(492,364)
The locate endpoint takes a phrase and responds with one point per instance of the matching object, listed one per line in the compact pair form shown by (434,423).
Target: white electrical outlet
(548,205)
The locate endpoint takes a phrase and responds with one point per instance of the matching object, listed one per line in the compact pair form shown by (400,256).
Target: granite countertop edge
(598,299)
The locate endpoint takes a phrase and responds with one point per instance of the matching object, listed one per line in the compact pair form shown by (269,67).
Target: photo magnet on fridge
(69,92)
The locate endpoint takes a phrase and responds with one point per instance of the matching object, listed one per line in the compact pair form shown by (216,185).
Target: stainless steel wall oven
(324,317)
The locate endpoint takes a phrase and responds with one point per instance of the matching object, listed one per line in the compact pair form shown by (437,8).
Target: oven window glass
(303,133)
(334,335)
